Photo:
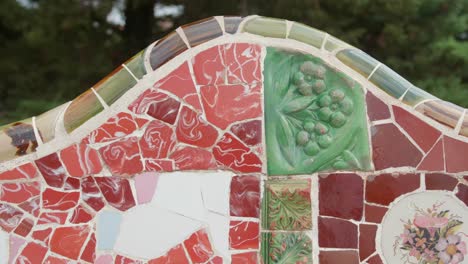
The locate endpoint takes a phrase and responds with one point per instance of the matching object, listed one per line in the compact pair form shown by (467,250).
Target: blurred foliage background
(52,50)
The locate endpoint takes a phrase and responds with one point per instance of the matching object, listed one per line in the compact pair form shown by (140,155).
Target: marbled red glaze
(192,129)
(80,160)
(117,192)
(190,158)
(123,156)
(60,201)
(26,171)
(198,247)
(157,141)
(91,194)
(245,196)
(116,127)
(244,235)
(19,192)
(174,255)
(68,241)
(235,155)
(52,170)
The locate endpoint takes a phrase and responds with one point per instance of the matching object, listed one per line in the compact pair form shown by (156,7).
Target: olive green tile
(137,65)
(416,95)
(306,34)
(81,110)
(267,27)
(333,44)
(358,61)
(116,84)
(390,81)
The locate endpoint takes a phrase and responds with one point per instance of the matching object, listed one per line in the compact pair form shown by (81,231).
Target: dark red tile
(249,132)
(434,160)
(339,257)
(116,127)
(10,217)
(233,154)
(189,158)
(32,206)
(422,133)
(336,233)
(391,148)
(91,193)
(72,184)
(375,214)
(60,201)
(245,196)
(385,188)
(89,252)
(26,171)
(455,155)
(157,141)
(69,240)
(52,170)
(440,181)
(376,109)
(123,156)
(80,160)
(341,195)
(367,235)
(375,260)
(198,247)
(19,192)
(117,192)
(33,253)
(193,130)
(24,227)
(462,193)
(244,235)
(166,110)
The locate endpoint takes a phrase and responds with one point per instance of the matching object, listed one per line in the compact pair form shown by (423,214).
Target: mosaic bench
(240,140)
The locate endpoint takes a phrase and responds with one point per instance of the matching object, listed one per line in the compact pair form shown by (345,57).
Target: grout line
(103,103)
(404,94)
(460,122)
(374,70)
(325,39)
(220,20)
(131,73)
(424,101)
(182,35)
(36,132)
(288,28)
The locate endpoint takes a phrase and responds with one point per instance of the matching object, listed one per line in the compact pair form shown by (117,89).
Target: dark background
(52,50)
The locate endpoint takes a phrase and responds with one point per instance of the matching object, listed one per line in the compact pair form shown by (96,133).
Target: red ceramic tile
(69,240)
(198,247)
(375,214)
(174,255)
(375,260)
(336,233)
(26,171)
(189,158)
(434,160)
(157,141)
(462,193)
(46,218)
(376,109)
(147,98)
(123,156)
(19,192)
(81,215)
(117,192)
(193,130)
(124,260)
(80,160)
(423,134)
(244,258)
(56,260)
(391,148)
(42,235)
(159,165)
(249,132)
(33,253)
(243,235)
(455,155)
(180,83)
(385,188)
(366,240)
(52,170)
(341,195)
(10,217)
(226,104)
(24,227)
(165,111)
(31,206)
(233,154)
(216,260)
(72,184)
(91,193)
(89,252)
(209,67)
(245,196)
(440,181)
(339,257)
(60,201)
(116,127)
(243,63)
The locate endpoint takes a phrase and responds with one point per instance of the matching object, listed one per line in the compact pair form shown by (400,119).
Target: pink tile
(15,244)
(104,259)
(145,185)
(116,127)
(193,130)
(80,160)
(243,62)
(10,217)
(233,154)
(123,156)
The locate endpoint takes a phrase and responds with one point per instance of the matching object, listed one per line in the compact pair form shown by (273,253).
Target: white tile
(218,228)
(4,247)
(215,190)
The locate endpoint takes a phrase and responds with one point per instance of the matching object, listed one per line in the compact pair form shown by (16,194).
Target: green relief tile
(306,34)
(267,27)
(314,116)
(17,139)
(287,205)
(390,81)
(286,248)
(202,31)
(136,64)
(81,110)
(416,95)
(112,87)
(358,61)
(47,122)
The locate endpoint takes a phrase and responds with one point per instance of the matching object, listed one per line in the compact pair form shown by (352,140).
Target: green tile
(334,44)
(314,116)
(267,27)
(358,61)
(136,64)
(306,34)
(112,87)
(286,248)
(81,110)
(416,95)
(390,81)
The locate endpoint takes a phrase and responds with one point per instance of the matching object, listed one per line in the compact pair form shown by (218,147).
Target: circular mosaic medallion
(426,228)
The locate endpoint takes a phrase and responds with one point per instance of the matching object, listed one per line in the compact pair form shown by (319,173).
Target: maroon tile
(336,233)
(341,195)
(91,193)
(376,109)
(52,170)
(249,132)
(375,260)
(245,196)
(366,240)
(10,217)
(24,227)
(117,192)
(391,148)
(423,134)
(385,188)
(123,156)
(462,193)
(440,181)
(434,160)
(339,257)
(375,214)
(455,155)
(165,110)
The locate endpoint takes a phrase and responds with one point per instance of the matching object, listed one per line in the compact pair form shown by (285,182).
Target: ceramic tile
(244,235)
(190,158)
(268,27)
(243,63)
(117,192)
(114,85)
(245,258)
(83,108)
(305,34)
(286,248)
(174,255)
(42,235)
(440,181)
(52,170)
(4,246)
(91,194)
(16,243)
(434,160)
(17,139)
(136,64)
(218,232)
(26,171)
(231,24)
(209,66)
(68,241)
(18,192)
(59,201)
(202,31)
(108,227)
(46,123)
(375,260)
(32,253)
(193,130)
(376,108)
(374,214)
(80,160)
(89,252)
(367,245)
(236,156)
(116,127)
(249,132)
(31,206)
(157,141)
(390,81)
(245,196)
(455,155)
(198,247)
(358,61)
(145,186)
(72,184)
(122,156)
(441,111)
(337,233)
(215,191)
(81,215)
(462,193)
(339,256)
(384,189)
(166,49)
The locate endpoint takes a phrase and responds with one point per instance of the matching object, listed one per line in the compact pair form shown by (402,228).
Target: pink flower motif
(430,222)
(407,237)
(415,253)
(451,250)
